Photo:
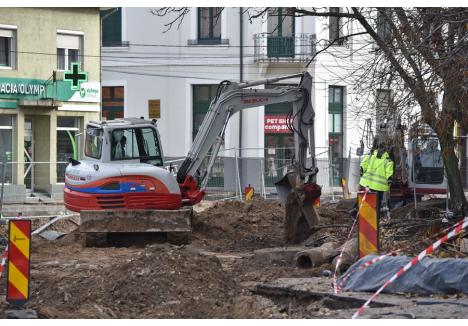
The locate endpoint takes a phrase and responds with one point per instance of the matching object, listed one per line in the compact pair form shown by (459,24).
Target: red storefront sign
(276,124)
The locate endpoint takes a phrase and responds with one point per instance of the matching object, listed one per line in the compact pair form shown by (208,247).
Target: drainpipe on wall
(241,79)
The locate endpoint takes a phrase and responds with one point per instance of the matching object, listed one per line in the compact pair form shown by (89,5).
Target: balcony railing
(295,48)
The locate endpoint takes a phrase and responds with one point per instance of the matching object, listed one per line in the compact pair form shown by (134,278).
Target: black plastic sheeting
(429,276)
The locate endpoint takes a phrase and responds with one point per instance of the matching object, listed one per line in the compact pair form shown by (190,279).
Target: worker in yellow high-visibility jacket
(377,171)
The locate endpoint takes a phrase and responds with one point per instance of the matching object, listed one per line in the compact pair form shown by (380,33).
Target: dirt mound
(161,281)
(240,226)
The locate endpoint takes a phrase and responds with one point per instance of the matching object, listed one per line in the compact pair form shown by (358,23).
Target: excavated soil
(239,226)
(211,278)
(163,280)
(160,281)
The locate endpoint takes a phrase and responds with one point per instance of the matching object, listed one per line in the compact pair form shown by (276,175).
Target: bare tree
(428,52)
(421,54)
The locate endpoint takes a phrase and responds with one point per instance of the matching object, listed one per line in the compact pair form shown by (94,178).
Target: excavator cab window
(428,165)
(136,143)
(93,142)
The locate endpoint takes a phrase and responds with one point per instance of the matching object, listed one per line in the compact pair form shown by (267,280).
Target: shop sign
(154,109)
(276,124)
(75,76)
(19,88)
(36,89)
(88,92)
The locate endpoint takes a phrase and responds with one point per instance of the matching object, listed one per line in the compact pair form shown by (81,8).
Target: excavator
(120,186)
(419,168)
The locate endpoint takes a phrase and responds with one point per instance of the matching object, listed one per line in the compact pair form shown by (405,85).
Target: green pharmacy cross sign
(75,76)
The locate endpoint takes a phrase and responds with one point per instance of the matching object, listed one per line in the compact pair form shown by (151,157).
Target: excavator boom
(231,97)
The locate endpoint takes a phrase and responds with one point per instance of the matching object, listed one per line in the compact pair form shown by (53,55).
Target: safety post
(19,263)
(368,224)
(316,202)
(249,192)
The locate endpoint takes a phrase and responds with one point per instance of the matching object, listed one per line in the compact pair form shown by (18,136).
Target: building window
(384,30)
(112,27)
(335,27)
(382,106)
(202,97)
(69,50)
(335,133)
(67,143)
(113,102)
(7,48)
(6,144)
(209,25)
(280,42)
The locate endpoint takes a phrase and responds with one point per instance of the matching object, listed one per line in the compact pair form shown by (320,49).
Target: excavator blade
(124,227)
(301,216)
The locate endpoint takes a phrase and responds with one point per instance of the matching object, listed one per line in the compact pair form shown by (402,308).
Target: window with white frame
(382,102)
(7,48)
(334,28)
(209,25)
(69,50)
(384,29)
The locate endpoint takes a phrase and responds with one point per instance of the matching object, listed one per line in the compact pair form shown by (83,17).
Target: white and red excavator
(121,185)
(419,168)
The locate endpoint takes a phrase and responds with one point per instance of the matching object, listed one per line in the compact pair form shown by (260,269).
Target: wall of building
(168,73)
(37,33)
(36,58)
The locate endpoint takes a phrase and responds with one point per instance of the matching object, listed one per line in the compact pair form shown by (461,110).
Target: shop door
(67,143)
(279,152)
(28,154)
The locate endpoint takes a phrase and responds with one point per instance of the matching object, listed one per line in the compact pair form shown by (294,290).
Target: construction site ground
(230,270)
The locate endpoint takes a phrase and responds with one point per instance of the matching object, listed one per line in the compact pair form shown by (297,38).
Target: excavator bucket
(125,227)
(301,216)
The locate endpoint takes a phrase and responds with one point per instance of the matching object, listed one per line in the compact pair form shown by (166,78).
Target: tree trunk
(457,195)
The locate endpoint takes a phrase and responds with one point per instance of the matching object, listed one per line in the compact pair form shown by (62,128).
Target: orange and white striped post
(368,224)
(19,263)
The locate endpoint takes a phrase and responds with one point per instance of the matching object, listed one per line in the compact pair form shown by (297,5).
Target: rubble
(236,246)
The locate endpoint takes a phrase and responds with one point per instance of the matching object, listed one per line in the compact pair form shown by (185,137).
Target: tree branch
(332,43)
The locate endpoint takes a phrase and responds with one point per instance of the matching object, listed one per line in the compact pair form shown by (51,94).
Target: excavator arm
(233,97)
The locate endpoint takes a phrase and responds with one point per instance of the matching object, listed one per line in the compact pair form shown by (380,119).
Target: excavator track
(100,228)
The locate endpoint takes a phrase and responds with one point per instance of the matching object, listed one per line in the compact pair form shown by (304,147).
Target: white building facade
(173,75)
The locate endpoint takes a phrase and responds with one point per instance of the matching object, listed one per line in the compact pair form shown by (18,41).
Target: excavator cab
(426,166)
(133,140)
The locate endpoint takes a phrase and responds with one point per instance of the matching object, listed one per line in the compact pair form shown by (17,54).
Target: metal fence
(233,170)
(299,47)
(261,168)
